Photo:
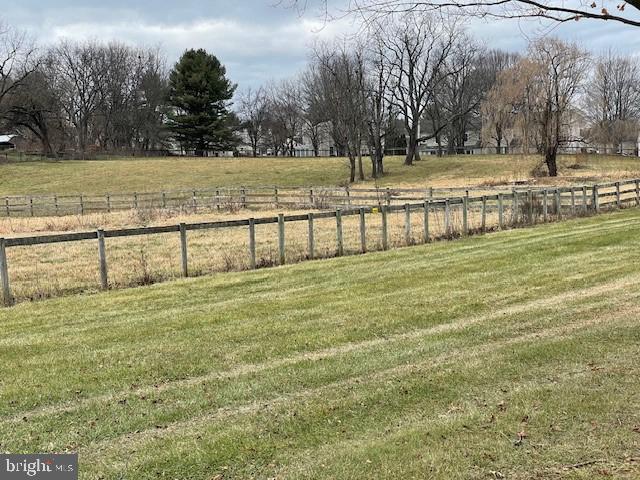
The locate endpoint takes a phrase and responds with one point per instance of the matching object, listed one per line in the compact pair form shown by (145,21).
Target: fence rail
(515,208)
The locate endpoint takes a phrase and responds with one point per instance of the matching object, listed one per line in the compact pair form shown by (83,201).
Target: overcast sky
(256,39)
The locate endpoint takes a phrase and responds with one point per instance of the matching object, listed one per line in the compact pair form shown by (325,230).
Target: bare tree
(35,108)
(18,60)
(285,109)
(314,114)
(458,97)
(561,71)
(612,100)
(625,12)
(505,99)
(341,75)
(417,49)
(254,112)
(79,72)
(150,110)
(379,108)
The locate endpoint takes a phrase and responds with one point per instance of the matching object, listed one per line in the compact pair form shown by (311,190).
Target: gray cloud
(256,39)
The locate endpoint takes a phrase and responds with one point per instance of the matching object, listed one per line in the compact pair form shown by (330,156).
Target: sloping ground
(157,174)
(512,355)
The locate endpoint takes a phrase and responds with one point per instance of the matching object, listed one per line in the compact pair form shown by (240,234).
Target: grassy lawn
(141,174)
(512,355)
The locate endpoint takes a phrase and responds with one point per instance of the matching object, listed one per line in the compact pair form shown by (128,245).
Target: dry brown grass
(50,270)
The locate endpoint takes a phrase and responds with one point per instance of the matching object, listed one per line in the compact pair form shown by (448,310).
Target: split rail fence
(460,215)
(217,199)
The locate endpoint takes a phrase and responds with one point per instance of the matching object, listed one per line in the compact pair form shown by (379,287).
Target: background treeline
(90,96)
(413,79)
(418,78)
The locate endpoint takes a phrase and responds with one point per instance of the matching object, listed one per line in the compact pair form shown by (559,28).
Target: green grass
(142,174)
(424,362)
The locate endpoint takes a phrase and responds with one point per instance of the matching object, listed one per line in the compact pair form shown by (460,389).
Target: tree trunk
(352,166)
(379,158)
(412,145)
(360,169)
(550,159)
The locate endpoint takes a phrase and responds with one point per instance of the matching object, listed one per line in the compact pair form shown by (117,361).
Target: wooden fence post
(584,199)
(484,213)
(385,229)
(407,224)
(388,196)
(183,250)
(618,200)
(218,199)
(311,240)
(102,258)
(348,195)
(532,220)
(545,206)
(339,243)
(81,205)
(637,182)
(465,214)
(164,200)
(596,199)
(311,204)
(447,217)
(6,204)
(573,201)
(252,243)
(7,298)
(514,207)
(425,227)
(558,202)
(275,196)
(31,205)
(243,197)
(135,200)
(363,232)
(281,239)
(108,203)
(500,211)
(194,199)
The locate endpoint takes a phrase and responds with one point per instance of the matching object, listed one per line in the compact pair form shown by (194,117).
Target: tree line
(111,97)
(402,81)
(415,77)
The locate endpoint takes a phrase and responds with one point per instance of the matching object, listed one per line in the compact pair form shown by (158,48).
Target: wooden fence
(516,208)
(216,199)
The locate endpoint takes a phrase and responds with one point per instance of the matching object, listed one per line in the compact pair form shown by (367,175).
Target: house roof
(6,138)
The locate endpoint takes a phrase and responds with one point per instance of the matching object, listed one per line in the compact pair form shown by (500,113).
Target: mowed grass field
(510,355)
(155,174)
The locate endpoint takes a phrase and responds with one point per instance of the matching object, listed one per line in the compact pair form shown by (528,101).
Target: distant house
(472,144)
(8,142)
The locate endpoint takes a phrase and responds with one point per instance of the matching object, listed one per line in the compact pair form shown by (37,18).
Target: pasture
(193,244)
(156,174)
(509,355)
